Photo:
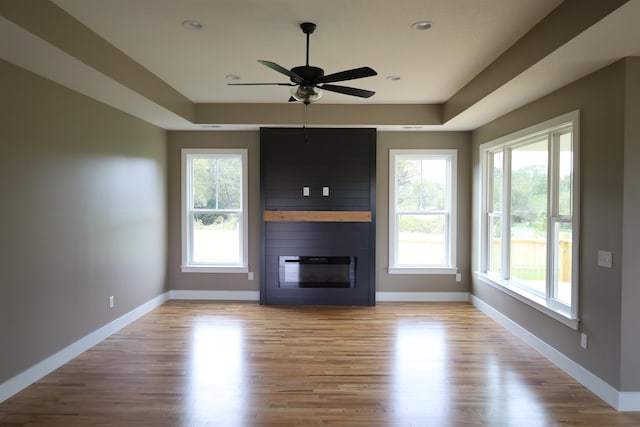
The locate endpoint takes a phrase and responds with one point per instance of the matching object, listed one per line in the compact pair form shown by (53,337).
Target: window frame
(188,265)
(450,212)
(551,129)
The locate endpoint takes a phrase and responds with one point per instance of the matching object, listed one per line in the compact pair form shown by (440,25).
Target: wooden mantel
(317,216)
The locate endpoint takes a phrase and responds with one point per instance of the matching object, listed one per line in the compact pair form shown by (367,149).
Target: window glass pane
(216,238)
(217,183)
(528,193)
(495,244)
(562,277)
(421,184)
(495,217)
(529,215)
(422,240)
(565,174)
(496,190)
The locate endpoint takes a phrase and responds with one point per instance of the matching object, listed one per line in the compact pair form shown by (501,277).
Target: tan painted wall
(213,281)
(420,140)
(385,282)
(600,99)
(630,357)
(83,216)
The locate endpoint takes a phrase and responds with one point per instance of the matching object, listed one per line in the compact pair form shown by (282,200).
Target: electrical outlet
(458,277)
(111,302)
(583,340)
(250,275)
(605,259)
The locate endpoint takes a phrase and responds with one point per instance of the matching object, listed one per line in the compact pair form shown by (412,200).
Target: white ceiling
(467,36)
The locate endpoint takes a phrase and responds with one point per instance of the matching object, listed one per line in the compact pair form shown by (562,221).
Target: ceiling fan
(307,80)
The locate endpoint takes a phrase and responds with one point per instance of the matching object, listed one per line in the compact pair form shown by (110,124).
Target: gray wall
(386,282)
(385,141)
(213,281)
(630,357)
(600,99)
(83,216)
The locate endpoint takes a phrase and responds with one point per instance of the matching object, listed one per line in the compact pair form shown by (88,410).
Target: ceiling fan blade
(362,93)
(294,77)
(261,84)
(356,73)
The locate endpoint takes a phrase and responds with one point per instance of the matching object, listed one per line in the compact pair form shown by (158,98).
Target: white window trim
(187,238)
(567,317)
(451,267)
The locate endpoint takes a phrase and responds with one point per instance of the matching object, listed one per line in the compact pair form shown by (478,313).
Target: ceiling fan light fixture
(306,94)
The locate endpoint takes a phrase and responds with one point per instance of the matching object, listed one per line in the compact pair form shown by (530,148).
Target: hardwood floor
(241,364)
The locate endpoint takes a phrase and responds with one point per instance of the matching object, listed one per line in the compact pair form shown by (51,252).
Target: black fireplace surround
(308,258)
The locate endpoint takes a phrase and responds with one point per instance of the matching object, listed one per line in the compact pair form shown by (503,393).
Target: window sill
(423,270)
(529,299)
(213,269)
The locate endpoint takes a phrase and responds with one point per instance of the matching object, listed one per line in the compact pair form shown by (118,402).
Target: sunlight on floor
(420,386)
(216,377)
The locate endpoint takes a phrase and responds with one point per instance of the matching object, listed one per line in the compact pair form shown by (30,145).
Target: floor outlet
(111,302)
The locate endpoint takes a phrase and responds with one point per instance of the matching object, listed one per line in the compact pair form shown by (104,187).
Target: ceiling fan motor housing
(309,74)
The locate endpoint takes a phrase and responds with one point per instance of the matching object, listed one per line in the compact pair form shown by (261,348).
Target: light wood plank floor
(241,364)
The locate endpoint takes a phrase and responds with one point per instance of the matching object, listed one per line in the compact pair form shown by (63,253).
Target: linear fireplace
(317,271)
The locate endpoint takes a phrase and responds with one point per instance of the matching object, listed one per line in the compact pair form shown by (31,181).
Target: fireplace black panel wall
(343,162)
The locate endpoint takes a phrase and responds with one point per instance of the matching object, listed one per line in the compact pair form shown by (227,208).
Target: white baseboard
(215,295)
(422,296)
(628,401)
(53,362)
(380,296)
(621,401)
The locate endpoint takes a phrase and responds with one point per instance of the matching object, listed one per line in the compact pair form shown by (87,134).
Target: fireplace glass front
(317,271)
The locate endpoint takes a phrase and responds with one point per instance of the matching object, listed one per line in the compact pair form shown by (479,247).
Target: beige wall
(385,140)
(386,282)
(600,99)
(213,281)
(83,216)
(630,357)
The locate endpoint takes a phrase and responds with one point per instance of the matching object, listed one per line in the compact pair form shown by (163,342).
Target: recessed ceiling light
(232,77)
(393,78)
(192,25)
(422,25)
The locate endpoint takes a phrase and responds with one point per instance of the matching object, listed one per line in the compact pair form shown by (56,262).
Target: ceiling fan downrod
(308,28)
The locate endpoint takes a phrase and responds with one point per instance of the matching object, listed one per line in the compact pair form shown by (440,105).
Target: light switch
(605,259)
(325,191)
(305,191)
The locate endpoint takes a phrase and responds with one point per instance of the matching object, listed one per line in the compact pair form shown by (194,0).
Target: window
(214,214)
(529,211)
(422,211)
